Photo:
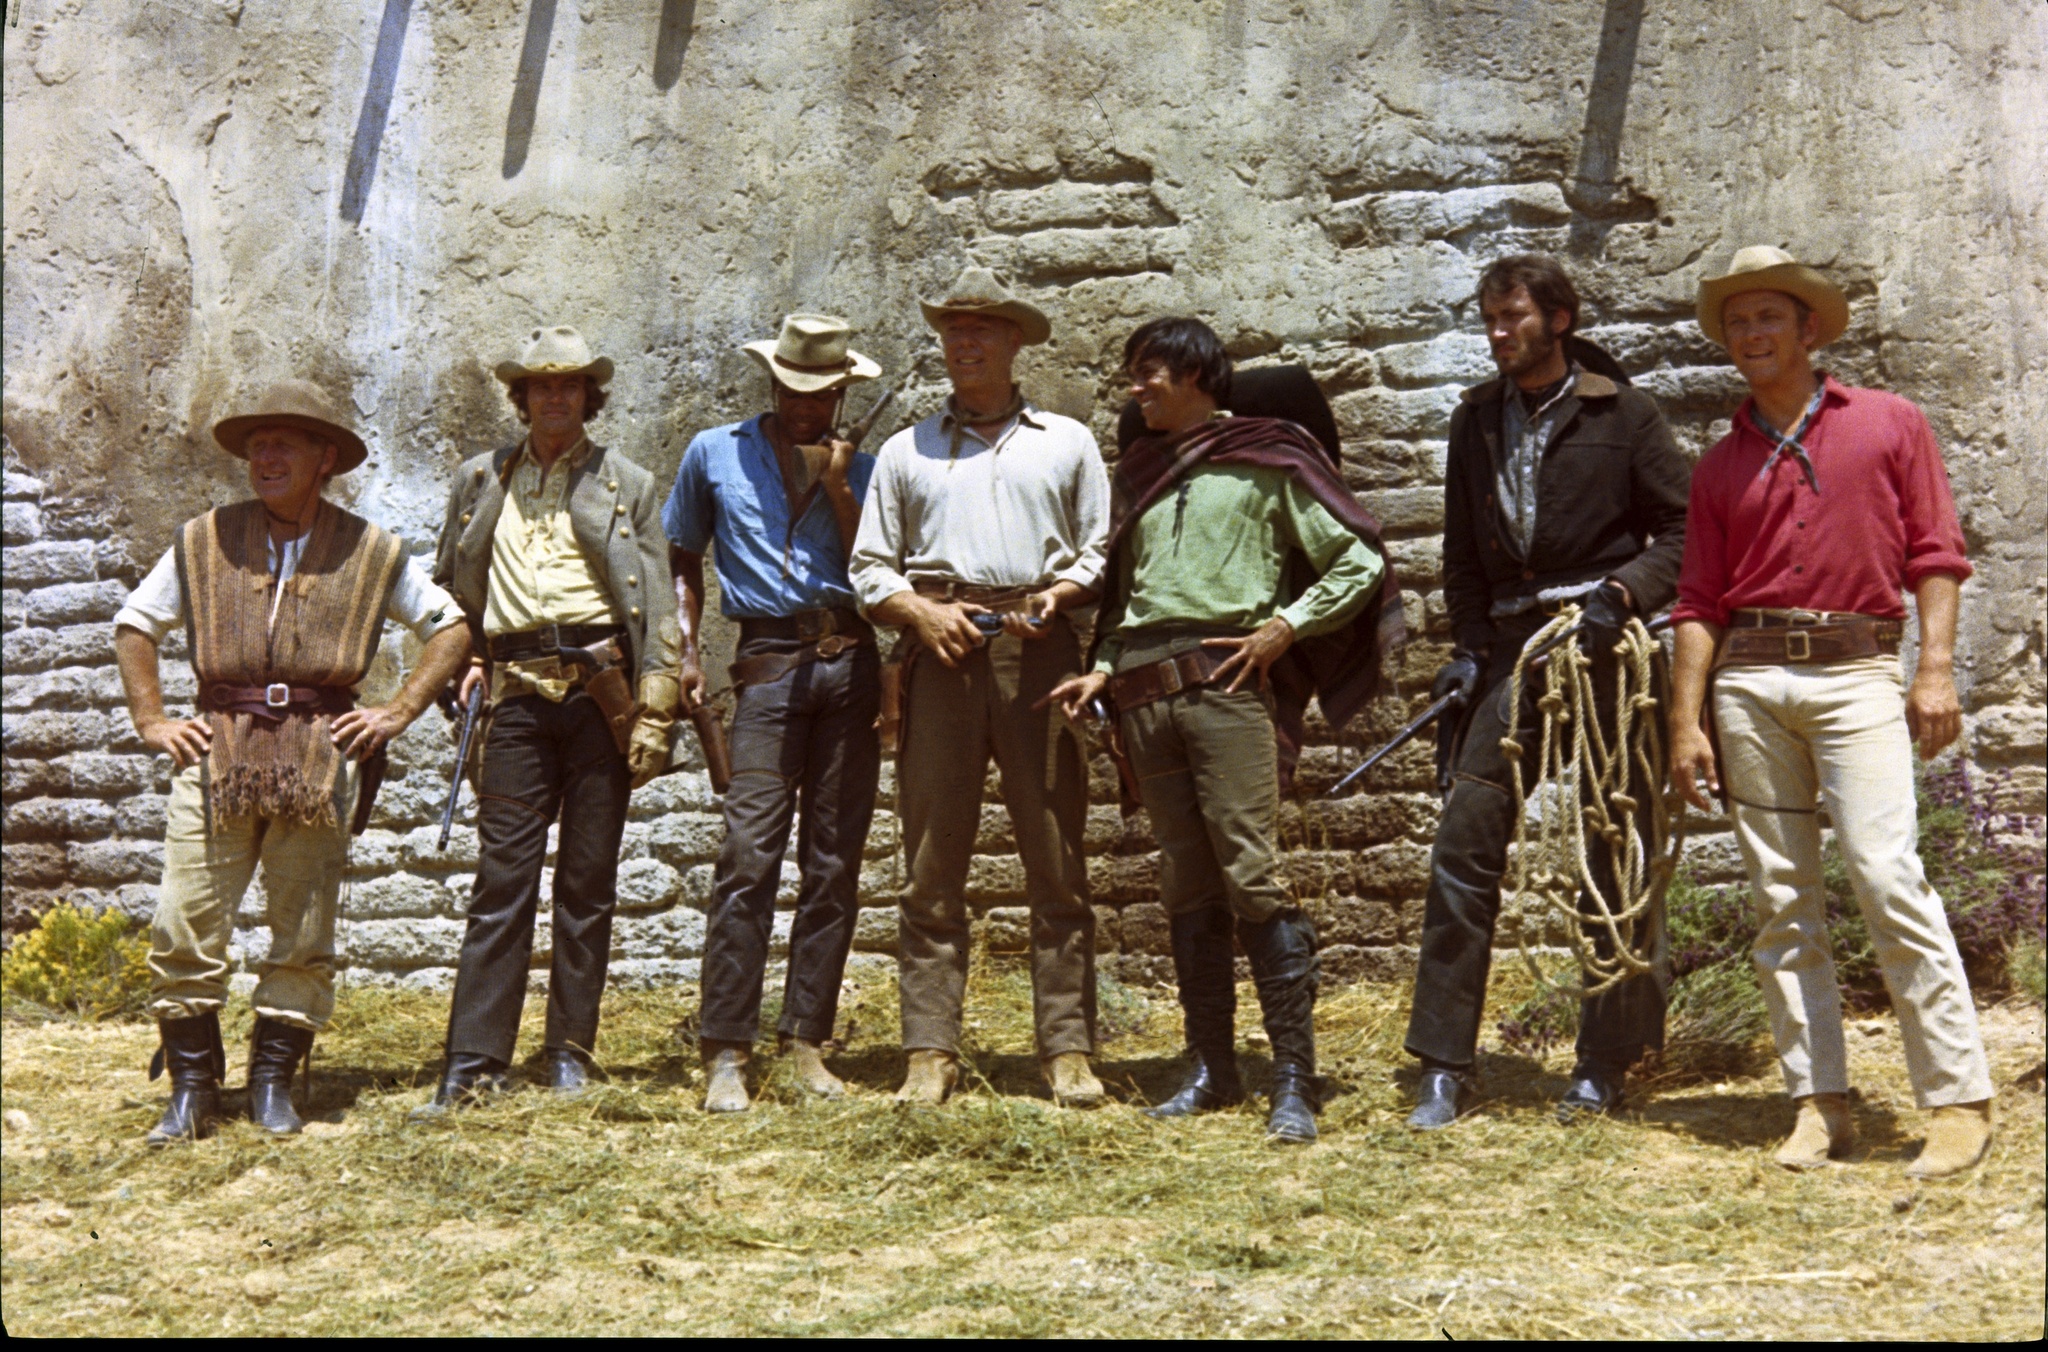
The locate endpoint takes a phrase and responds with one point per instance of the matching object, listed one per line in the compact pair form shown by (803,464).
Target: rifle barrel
(1401,739)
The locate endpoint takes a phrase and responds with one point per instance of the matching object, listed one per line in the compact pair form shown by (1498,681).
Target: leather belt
(1800,637)
(826,634)
(808,626)
(995,598)
(550,639)
(276,700)
(1138,686)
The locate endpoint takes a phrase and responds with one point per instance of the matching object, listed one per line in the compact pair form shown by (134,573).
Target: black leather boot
(1203,969)
(1282,951)
(1595,1091)
(1292,1120)
(276,1050)
(1210,1084)
(191,1051)
(1439,1097)
(568,1071)
(469,1076)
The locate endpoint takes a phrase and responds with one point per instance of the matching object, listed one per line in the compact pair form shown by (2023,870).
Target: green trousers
(1209,776)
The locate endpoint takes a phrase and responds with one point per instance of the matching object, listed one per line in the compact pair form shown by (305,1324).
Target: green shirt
(1214,549)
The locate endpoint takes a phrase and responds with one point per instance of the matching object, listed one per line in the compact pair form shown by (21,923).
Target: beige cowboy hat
(293,403)
(810,354)
(559,351)
(1762,267)
(977,292)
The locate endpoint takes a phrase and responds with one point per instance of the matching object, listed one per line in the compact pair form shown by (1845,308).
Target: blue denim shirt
(729,489)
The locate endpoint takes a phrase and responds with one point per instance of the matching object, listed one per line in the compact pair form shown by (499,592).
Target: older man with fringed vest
(1807,521)
(283,598)
(553,549)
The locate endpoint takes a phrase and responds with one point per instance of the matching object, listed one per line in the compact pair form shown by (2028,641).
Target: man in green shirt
(1231,540)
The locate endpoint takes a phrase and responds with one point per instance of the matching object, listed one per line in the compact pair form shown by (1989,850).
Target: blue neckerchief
(1790,441)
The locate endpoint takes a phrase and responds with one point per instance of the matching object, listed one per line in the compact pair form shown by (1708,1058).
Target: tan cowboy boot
(1073,1084)
(726,1092)
(1822,1132)
(811,1075)
(932,1077)
(1958,1134)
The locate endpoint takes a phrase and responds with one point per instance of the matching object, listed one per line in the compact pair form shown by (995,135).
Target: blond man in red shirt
(1806,523)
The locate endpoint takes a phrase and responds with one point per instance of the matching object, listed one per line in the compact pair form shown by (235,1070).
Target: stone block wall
(203,199)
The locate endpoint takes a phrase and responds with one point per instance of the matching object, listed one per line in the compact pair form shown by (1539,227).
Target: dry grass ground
(630,1211)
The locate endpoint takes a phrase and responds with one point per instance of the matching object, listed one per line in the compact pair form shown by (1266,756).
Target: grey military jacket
(615,511)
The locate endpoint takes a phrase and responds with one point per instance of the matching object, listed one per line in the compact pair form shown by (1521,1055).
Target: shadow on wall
(362,154)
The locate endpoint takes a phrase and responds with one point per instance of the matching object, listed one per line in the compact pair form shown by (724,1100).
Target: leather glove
(1459,675)
(1601,620)
(661,692)
(647,748)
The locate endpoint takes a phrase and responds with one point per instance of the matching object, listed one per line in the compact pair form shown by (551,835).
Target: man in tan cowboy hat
(985,525)
(552,550)
(1806,522)
(283,598)
(781,495)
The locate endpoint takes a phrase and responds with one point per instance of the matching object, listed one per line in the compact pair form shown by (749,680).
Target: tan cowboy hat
(559,351)
(977,292)
(1761,267)
(810,354)
(293,403)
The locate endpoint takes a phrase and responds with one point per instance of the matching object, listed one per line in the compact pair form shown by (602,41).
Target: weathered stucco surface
(206,195)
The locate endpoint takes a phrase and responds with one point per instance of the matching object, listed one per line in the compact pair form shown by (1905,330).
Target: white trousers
(1834,735)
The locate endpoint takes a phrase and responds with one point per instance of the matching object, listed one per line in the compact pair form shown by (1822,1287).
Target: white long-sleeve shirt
(1025,507)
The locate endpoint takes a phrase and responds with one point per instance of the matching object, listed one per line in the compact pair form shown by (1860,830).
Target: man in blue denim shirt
(782,499)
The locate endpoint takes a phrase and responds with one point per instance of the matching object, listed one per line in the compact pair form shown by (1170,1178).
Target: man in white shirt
(983,525)
(283,598)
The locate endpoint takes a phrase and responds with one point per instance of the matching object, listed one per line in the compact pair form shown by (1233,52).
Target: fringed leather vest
(281,765)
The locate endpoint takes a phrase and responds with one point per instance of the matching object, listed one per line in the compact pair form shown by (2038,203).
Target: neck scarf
(1790,440)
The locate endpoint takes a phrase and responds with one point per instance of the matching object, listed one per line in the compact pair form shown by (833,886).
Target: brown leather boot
(726,1090)
(1822,1132)
(933,1075)
(1958,1135)
(808,1059)
(1073,1084)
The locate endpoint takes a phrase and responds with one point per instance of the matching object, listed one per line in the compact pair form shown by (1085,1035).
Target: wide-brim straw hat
(810,354)
(299,404)
(1763,267)
(557,351)
(977,292)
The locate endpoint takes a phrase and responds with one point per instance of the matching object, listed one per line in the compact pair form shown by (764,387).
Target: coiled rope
(1596,787)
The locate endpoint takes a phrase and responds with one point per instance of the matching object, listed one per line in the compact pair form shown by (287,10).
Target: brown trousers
(954,719)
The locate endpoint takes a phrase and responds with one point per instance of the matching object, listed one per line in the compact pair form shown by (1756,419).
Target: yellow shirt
(538,573)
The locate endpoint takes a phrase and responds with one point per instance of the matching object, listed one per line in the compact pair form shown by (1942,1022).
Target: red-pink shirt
(1884,517)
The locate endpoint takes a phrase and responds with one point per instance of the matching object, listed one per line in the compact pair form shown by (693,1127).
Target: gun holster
(1450,742)
(605,682)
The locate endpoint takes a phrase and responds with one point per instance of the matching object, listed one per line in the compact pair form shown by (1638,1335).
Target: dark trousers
(541,760)
(810,734)
(1466,866)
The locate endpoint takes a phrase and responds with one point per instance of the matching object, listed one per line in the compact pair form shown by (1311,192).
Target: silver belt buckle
(1805,641)
(277,695)
(1169,676)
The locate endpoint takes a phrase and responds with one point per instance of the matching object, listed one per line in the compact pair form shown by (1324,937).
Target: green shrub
(80,962)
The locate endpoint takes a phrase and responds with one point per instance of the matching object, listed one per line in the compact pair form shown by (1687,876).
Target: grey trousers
(810,734)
